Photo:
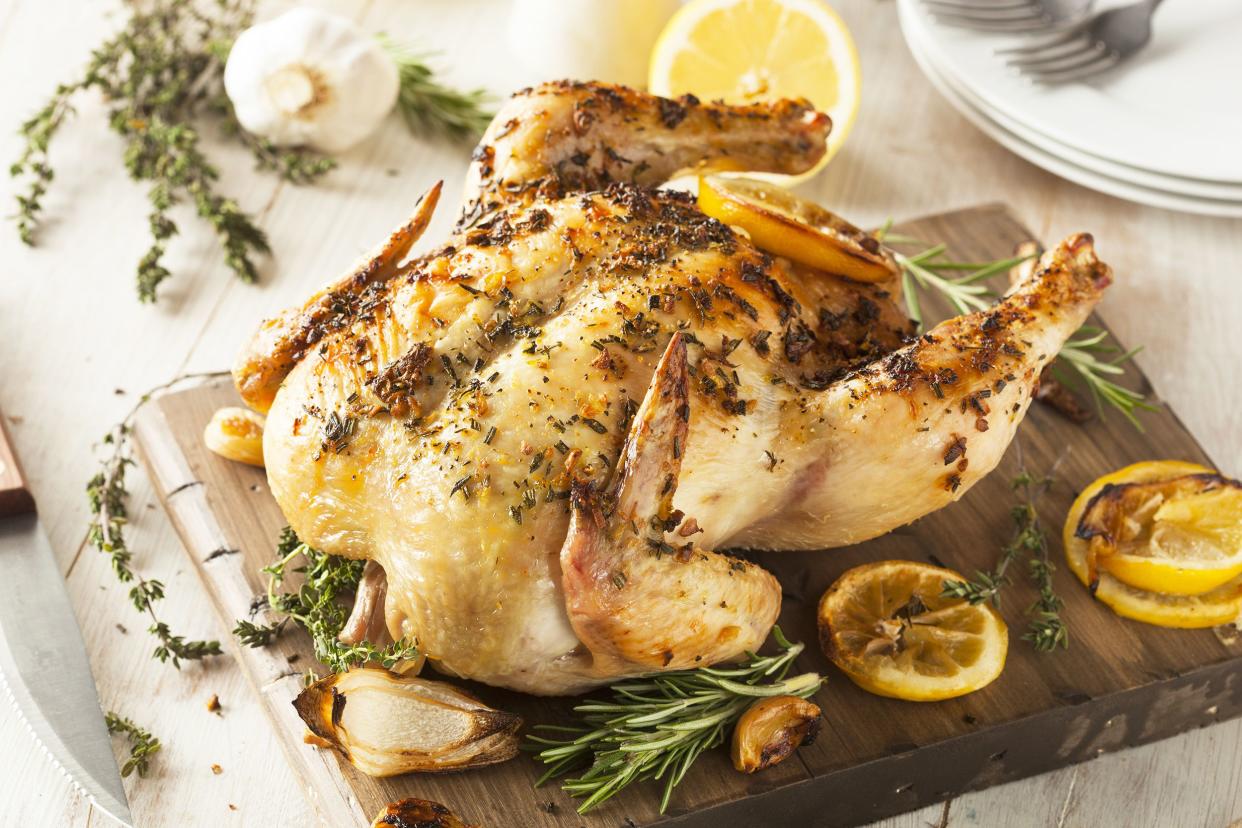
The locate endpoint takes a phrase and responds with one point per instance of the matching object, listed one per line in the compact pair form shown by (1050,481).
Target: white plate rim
(1120,155)
(1067,170)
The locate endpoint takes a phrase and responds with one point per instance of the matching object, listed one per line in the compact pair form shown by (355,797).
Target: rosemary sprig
(655,727)
(1046,630)
(142,745)
(427,105)
(1082,355)
(159,74)
(318,607)
(109,513)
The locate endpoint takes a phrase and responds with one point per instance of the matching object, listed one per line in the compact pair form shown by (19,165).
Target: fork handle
(15,497)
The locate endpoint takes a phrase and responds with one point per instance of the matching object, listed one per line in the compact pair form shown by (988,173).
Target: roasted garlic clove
(771,729)
(236,434)
(417,813)
(387,724)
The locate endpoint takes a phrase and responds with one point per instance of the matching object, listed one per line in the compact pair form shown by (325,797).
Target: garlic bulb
(308,78)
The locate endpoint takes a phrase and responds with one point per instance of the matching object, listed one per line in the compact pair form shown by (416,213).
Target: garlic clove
(771,730)
(417,813)
(308,78)
(236,434)
(387,724)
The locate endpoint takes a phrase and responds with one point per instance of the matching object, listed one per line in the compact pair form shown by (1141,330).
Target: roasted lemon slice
(779,222)
(890,629)
(1169,562)
(746,51)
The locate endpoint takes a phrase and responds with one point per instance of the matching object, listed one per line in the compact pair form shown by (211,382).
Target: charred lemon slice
(781,223)
(1160,542)
(888,627)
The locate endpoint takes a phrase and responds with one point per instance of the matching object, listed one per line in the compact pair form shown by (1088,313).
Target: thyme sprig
(142,745)
(427,105)
(968,292)
(655,727)
(159,75)
(162,78)
(318,607)
(107,495)
(1046,630)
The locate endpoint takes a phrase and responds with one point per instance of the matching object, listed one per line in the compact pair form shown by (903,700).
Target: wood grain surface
(1120,683)
(76,350)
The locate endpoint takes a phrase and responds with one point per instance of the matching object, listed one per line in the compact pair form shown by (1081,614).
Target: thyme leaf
(318,606)
(1046,630)
(656,726)
(107,496)
(142,745)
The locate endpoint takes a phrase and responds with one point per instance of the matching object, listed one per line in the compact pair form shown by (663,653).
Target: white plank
(70,333)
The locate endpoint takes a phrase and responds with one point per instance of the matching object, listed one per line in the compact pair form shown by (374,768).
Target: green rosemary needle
(656,726)
(1082,356)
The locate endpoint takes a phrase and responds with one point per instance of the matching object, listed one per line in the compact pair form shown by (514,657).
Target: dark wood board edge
(1037,744)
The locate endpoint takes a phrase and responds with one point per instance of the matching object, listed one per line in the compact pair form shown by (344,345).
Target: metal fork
(1093,46)
(1008,15)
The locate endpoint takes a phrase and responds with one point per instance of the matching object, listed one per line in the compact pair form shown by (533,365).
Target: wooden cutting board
(1119,684)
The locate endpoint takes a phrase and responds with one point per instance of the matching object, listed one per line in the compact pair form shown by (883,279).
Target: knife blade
(43,665)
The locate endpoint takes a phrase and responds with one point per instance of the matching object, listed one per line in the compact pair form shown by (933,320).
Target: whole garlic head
(308,78)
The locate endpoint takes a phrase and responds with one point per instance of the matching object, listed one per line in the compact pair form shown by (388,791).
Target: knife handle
(15,497)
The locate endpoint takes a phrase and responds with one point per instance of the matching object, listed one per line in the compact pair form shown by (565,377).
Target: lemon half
(1155,590)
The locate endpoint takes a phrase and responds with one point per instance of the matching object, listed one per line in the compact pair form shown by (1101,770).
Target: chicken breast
(543,429)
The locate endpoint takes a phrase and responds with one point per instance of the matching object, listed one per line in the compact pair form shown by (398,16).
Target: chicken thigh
(542,429)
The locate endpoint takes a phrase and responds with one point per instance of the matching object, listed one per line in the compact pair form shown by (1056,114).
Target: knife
(43,665)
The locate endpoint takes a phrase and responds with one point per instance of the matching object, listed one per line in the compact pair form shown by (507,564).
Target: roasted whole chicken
(539,432)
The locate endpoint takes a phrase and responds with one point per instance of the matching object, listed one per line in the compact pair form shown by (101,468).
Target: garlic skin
(307,78)
(386,724)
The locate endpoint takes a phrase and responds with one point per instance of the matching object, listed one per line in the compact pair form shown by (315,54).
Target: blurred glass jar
(606,40)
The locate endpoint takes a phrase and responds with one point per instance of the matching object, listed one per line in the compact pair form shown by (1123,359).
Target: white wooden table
(76,348)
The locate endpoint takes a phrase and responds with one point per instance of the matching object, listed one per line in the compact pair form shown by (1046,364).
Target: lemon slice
(779,222)
(746,51)
(888,627)
(1221,604)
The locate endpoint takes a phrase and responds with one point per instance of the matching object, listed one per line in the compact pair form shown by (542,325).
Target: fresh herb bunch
(107,495)
(429,106)
(162,75)
(318,607)
(142,745)
(655,727)
(963,285)
(1046,630)
(159,74)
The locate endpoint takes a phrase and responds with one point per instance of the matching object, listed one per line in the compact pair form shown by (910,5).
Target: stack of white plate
(1163,128)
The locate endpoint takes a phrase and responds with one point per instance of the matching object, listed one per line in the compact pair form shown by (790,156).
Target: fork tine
(1055,54)
(981,5)
(1103,63)
(1034,48)
(1017,26)
(982,12)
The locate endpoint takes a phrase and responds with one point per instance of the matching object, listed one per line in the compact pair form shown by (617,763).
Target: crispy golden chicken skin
(450,418)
